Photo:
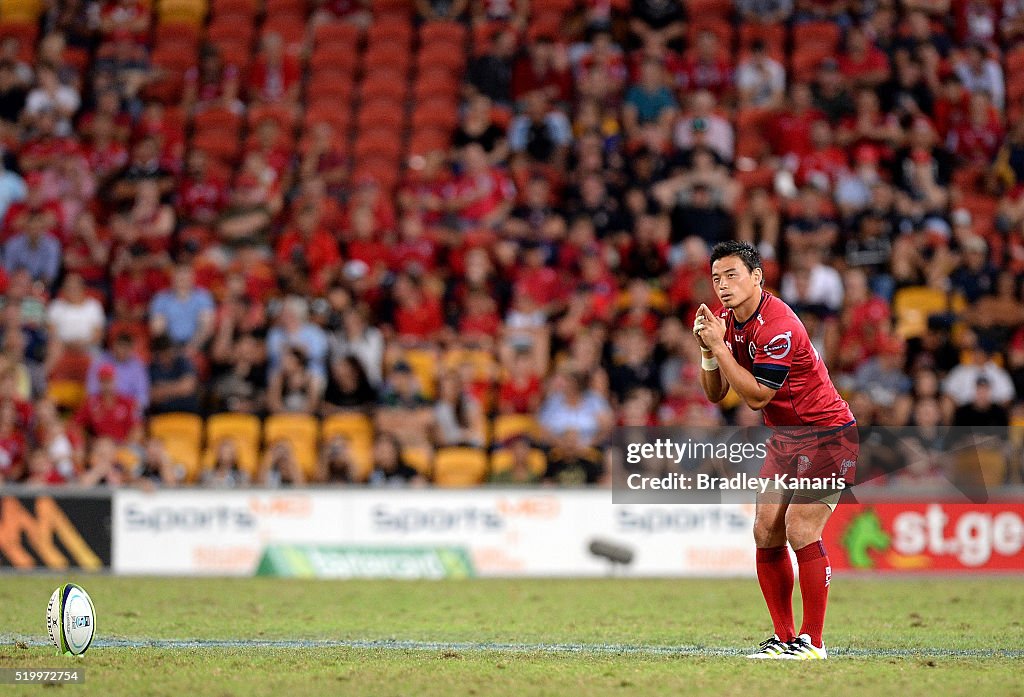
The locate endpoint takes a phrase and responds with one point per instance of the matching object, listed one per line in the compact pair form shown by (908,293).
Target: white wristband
(709,363)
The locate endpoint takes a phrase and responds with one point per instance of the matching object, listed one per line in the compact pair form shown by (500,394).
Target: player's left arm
(752,388)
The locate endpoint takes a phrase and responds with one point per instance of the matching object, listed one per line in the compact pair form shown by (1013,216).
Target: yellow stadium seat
(501,461)
(186,428)
(357,430)
(419,458)
(352,425)
(508,425)
(248,457)
(459,467)
(300,430)
(66,394)
(484,365)
(21,10)
(181,436)
(185,454)
(424,367)
(244,429)
(980,466)
(913,306)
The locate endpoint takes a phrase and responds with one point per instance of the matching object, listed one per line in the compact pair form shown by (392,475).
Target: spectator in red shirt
(417,315)
(483,195)
(414,251)
(203,194)
(707,68)
(109,414)
(12,445)
(543,67)
(790,131)
(275,77)
(211,84)
(307,255)
(521,390)
(977,138)
(862,63)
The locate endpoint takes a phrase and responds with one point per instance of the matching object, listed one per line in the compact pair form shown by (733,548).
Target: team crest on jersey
(780,346)
(803,463)
(753,350)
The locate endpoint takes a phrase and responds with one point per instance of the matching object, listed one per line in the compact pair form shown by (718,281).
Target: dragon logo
(865,533)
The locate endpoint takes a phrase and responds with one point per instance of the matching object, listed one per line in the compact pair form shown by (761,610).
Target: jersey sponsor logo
(828,576)
(739,337)
(846,466)
(780,346)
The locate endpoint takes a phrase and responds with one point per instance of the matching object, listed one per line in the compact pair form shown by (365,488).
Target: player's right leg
(774,570)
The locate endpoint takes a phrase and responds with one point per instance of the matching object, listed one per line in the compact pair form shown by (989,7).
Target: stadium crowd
(182,233)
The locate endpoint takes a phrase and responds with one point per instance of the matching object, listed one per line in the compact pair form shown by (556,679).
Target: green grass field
(254,637)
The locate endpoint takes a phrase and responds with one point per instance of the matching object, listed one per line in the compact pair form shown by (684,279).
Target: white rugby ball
(71,619)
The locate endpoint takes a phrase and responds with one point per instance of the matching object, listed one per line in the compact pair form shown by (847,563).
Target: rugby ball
(71,619)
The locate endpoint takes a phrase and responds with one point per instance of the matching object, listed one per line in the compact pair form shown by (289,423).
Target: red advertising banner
(916,537)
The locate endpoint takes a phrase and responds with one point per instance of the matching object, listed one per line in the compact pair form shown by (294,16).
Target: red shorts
(832,456)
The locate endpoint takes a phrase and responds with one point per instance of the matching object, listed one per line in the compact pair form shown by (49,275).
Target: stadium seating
(458,467)
(300,432)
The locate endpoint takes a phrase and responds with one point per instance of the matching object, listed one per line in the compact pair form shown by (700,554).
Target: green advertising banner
(346,561)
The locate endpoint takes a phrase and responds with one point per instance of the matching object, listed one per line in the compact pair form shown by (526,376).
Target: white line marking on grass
(408,645)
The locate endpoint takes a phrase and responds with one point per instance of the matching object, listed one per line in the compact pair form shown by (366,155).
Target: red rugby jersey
(774,346)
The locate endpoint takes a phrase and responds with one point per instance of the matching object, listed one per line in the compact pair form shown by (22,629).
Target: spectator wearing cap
(982,411)
(975,276)
(108,414)
(131,377)
(831,92)
(702,125)
(183,312)
(174,383)
(961,385)
(402,408)
(760,79)
(981,73)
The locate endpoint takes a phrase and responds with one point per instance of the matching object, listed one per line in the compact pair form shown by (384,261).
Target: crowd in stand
(548,263)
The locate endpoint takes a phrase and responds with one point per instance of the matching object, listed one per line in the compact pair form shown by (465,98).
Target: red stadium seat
(221,143)
(385,113)
(336,34)
(436,113)
(217,118)
(431,57)
(334,59)
(377,142)
(451,33)
(390,85)
(397,34)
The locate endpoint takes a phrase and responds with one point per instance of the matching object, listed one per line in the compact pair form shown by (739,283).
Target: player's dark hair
(746,252)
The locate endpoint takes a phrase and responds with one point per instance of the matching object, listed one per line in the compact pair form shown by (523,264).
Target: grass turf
(874,620)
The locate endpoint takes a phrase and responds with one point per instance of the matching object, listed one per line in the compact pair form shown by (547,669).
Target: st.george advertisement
(922,537)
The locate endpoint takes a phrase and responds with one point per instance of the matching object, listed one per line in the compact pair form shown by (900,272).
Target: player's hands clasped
(709,329)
